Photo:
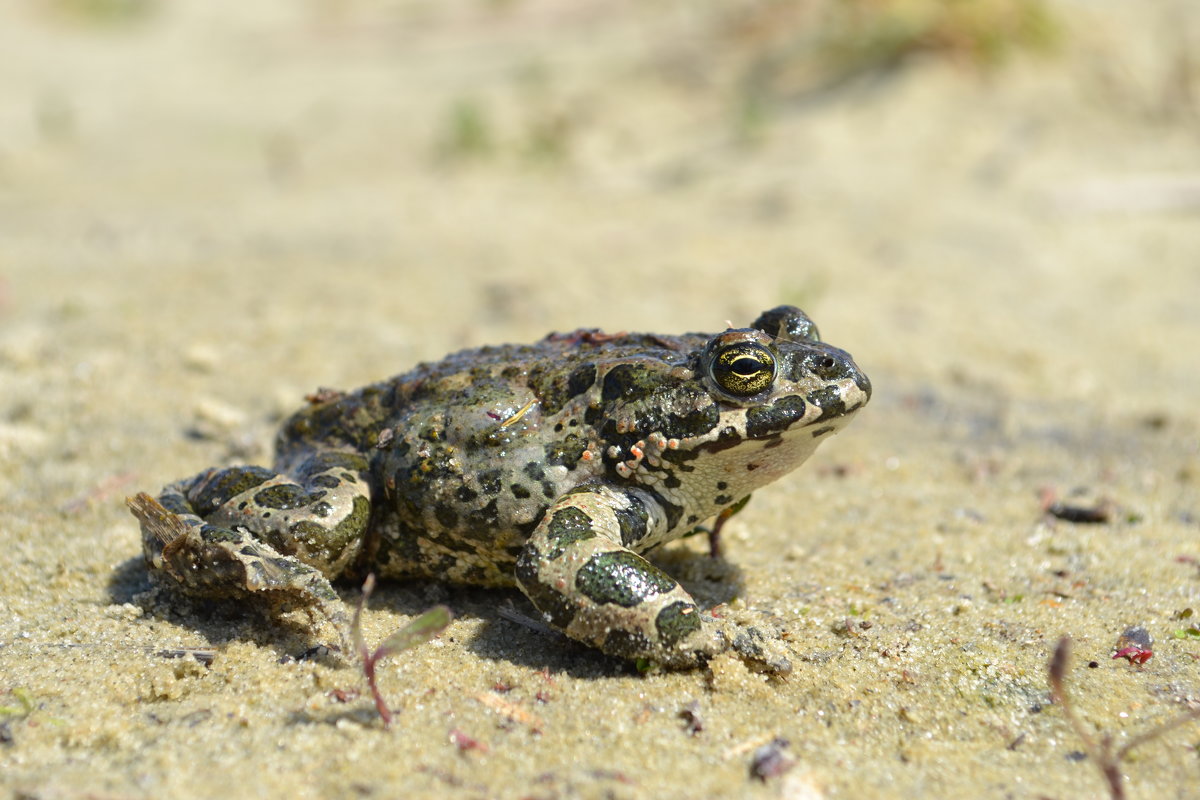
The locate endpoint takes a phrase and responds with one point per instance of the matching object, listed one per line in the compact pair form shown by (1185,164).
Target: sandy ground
(206,213)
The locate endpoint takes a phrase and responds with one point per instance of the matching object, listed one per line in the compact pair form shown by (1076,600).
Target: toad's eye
(743,369)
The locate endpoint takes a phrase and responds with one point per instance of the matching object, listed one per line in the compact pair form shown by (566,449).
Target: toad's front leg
(579,570)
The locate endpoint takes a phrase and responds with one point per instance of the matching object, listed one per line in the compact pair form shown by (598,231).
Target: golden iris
(743,369)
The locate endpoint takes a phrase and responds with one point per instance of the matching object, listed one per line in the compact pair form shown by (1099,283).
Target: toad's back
(469,451)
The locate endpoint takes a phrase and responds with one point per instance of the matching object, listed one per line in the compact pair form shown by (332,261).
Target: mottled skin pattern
(550,466)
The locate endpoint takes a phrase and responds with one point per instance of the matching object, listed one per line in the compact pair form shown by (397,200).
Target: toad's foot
(206,561)
(251,532)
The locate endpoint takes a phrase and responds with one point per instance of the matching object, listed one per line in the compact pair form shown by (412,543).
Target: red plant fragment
(464,742)
(1135,655)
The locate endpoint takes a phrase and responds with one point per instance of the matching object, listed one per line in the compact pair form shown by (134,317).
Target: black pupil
(745,366)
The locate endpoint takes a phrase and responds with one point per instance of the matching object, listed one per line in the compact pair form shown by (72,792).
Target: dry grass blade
(1101,753)
(356,634)
(1058,691)
(1159,730)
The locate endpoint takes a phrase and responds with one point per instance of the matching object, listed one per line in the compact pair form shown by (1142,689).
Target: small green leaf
(420,630)
(738,506)
(25,699)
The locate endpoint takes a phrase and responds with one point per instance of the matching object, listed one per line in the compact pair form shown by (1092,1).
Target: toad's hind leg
(580,572)
(251,531)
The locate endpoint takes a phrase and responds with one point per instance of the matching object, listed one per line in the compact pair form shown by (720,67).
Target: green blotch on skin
(787,322)
(676,622)
(829,400)
(677,412)
(581,379)
(766,420)
(554,390)
(622,578)
(333,459)
(558,610)
(355,522)
(634,521)
(490,481)
(286,497)
(631,382)
(567,452)
(566,527)
(336,539)
(226,484)
(177,504)
(212,534)
(625,644)
(326,482)
(446,516)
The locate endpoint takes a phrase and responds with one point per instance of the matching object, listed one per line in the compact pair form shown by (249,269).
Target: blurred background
(1004,178)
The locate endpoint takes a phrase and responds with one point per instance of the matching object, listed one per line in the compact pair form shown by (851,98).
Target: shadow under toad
(512,631)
